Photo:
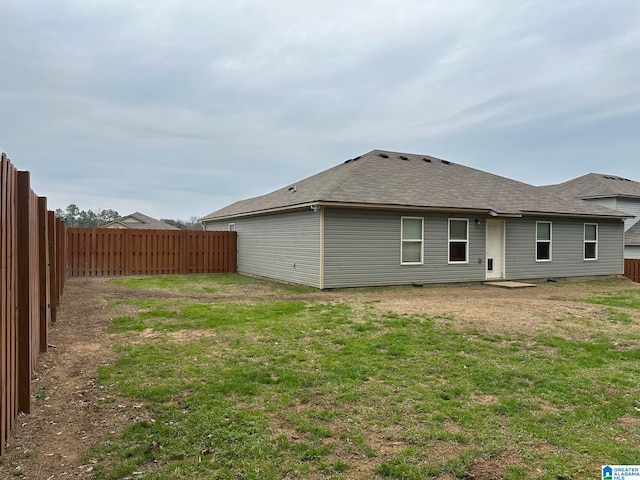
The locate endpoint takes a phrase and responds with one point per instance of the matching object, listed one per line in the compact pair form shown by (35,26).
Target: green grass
(623,298)
(207,284)
(295,389)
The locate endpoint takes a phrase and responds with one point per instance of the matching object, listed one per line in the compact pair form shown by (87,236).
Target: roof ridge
(343,178)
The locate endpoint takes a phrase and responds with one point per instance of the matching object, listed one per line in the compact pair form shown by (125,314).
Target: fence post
(184,261)
(61,257)
(45,290)
(234,252)
(54,294)
(8,298)
(24,294)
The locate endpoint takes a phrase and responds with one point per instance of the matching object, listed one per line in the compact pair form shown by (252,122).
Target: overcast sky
(176,108)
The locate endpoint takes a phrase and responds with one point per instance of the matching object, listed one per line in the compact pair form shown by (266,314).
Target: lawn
(289,384)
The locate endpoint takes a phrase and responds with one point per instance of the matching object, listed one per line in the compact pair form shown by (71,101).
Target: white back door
(495,249)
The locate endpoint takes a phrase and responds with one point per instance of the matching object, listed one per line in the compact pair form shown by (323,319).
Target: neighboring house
(388,218)
(610,191)
(632,242)
(138,220)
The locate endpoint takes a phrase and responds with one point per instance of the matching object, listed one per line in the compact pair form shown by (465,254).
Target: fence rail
(632,269)
(31,252)
(95,252)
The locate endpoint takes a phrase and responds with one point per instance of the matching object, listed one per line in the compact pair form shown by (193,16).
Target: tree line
(72,216)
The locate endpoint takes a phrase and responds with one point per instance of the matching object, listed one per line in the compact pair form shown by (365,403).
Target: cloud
(167,106)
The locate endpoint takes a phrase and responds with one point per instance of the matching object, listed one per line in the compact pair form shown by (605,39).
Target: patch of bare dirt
(70,413)
(493,468)
(496,311)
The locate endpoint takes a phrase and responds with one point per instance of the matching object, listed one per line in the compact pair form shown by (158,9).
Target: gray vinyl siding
(283,247)
(630,206)
(567,249)
(362,248)
(632,251)
(609,202)
(622,204)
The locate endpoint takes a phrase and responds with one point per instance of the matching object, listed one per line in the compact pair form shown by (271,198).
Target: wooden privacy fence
(32,249)
(632,269)
(93,252)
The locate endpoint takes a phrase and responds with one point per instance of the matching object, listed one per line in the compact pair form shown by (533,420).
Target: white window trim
(421,241)
(466,242)
(585,241)
(232,227)
(550,243)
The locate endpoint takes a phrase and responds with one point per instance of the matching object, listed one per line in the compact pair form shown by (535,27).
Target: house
(610,191)
(138,220)
(388,218)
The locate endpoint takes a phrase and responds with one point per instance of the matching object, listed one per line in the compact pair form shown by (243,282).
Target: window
(543,241)
(590,241)
(458,240)
(411,249)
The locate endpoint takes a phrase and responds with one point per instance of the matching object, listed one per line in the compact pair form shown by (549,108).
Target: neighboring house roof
(632,236)
(597,185)
(383,179)
(138,220)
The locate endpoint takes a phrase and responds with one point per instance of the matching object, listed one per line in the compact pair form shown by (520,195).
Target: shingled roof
(383,179)
(632,236)
(597,185)
(139,220)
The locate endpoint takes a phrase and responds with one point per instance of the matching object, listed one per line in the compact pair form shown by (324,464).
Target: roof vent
(293,188)
(426,159)
(384,155)
(356,158)
(347,161)
(446,162)
(402,157)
